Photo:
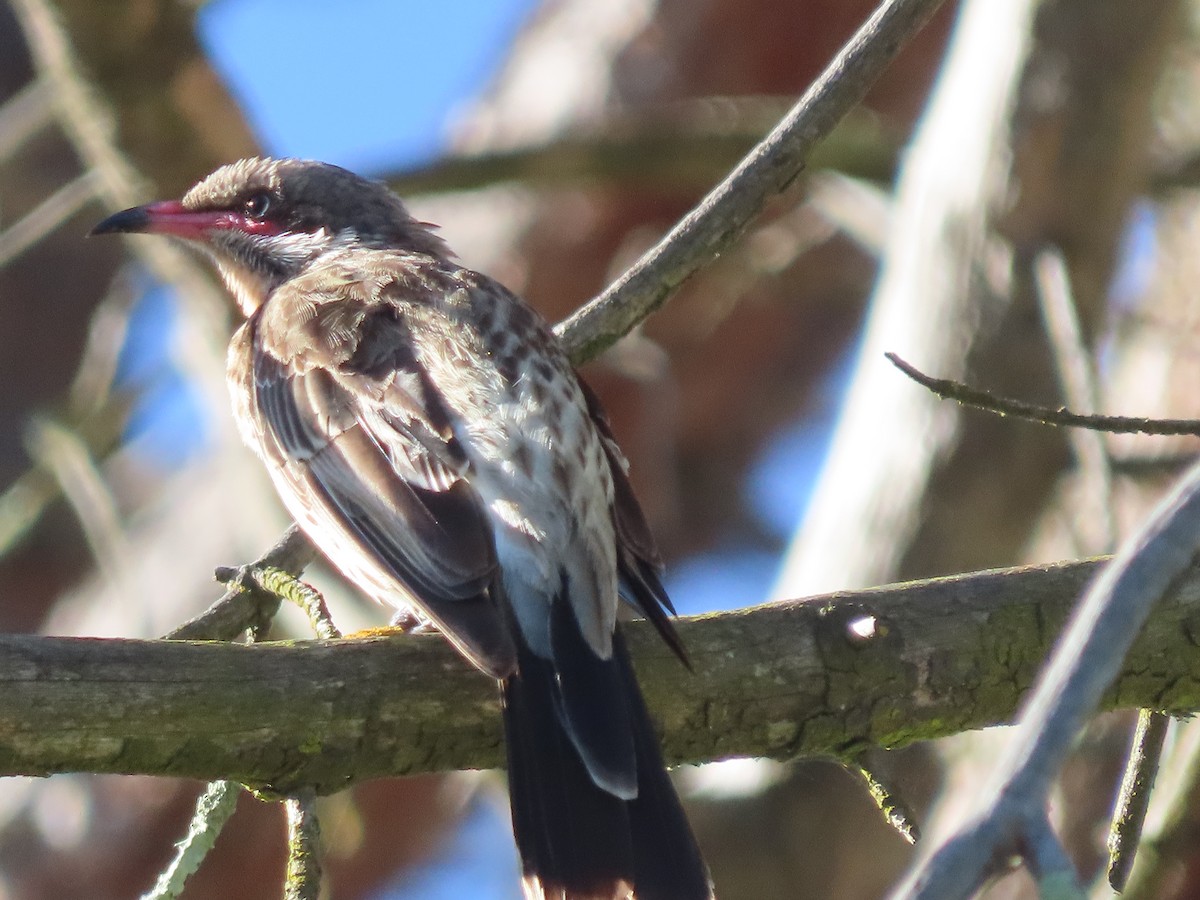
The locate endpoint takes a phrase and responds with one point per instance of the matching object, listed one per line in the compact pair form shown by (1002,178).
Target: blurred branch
(1170,841)
(1133,799)
(1010,818)
(23,115)
(23,501)
(685,145)
(84,118)
(63,452)
(61,94)
(164,106)
(780,680)
(721,217)
(46,216)
(1182,173)
(213,809)
(1081,390)
(1096,515)
(97,414)
(89,124)
(1036,135)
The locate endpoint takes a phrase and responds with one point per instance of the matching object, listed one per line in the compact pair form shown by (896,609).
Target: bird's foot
(412,623)
(404,622)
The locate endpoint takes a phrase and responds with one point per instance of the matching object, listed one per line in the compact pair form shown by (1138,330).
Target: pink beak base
(172,218)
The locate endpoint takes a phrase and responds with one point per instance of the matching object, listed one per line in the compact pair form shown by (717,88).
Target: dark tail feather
(576,840)
(573,837)
(666,858)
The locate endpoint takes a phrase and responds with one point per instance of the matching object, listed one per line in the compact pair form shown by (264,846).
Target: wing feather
(640,564)
(376,472)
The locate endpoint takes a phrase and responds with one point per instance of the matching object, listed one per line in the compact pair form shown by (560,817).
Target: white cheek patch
(293,250)
(289,253)
(247,288)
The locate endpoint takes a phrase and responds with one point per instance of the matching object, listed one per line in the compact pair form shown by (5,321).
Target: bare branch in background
(60,94)
(1010,819)
(1133,800)
(722,216)
(682,145)
(47,216)
(213,809)
(1077,379)
(63,453)
(949,389)
(24,115)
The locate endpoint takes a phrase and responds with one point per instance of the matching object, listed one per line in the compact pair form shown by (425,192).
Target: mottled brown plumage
(425,428)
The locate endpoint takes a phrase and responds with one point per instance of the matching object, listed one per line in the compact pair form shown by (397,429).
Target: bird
(425,428)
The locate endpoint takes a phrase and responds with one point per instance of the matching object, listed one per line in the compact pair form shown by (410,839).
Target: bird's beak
(166,217)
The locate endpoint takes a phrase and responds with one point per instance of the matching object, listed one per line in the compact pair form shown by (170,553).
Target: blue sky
(365,84)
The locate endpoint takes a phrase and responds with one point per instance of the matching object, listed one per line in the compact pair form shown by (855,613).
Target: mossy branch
(779,680)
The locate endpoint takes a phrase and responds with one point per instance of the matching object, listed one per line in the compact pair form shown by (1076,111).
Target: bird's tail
(576,840)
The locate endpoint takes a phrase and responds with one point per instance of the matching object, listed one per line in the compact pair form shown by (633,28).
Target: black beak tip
(128,221)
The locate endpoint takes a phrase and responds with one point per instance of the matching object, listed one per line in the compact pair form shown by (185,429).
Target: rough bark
(778,680)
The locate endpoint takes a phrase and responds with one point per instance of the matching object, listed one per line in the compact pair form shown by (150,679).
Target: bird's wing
(363,447)
(640,564)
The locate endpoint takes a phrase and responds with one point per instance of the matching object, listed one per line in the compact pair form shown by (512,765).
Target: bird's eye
(258,205)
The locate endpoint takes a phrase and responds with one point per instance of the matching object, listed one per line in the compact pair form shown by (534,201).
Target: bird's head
(264,220)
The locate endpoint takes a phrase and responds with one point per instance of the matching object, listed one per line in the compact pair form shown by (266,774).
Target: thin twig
(1170,842)
(289,587)
(240,607)
(1043,415)
(1086,660)
(1078,379)
(1125,833)
(213,809)
(721,217)
(891,804)
(304,848)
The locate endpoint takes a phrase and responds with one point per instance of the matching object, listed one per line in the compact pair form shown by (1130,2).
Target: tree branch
(679,145)
(949,389)
(779,680)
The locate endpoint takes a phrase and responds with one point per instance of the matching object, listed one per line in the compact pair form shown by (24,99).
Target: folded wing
(359,443)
